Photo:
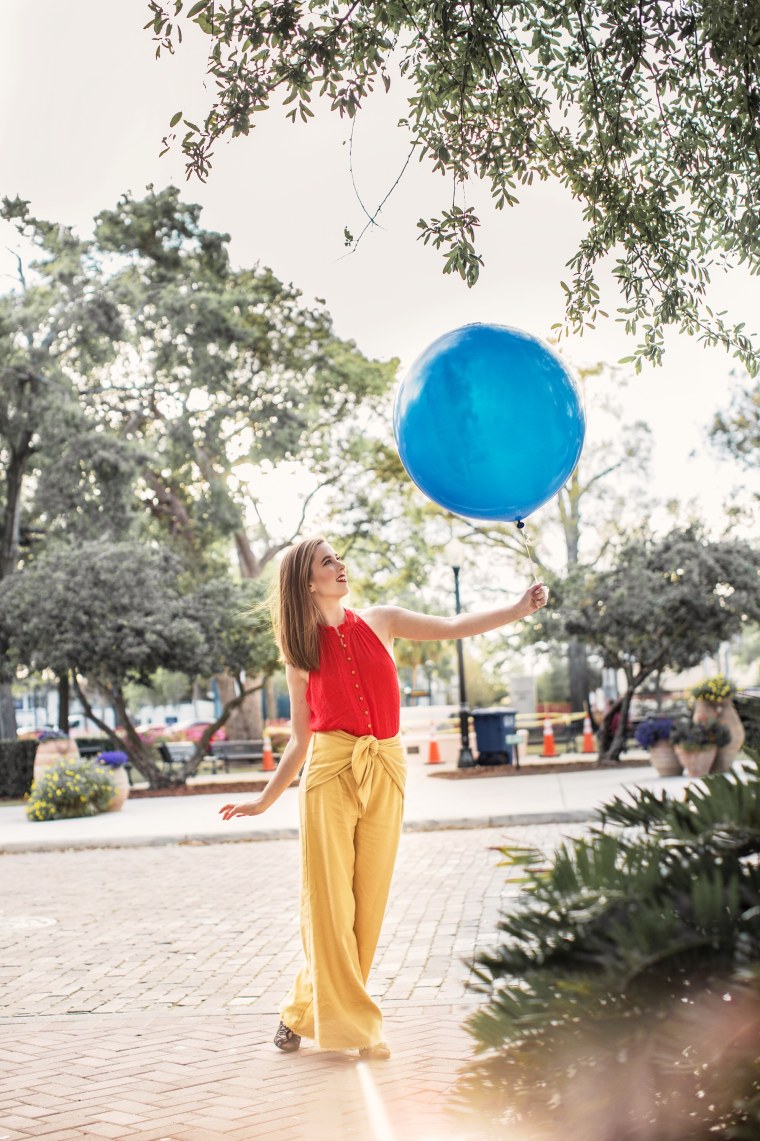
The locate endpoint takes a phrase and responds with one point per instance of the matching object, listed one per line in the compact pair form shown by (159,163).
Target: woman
(344,699)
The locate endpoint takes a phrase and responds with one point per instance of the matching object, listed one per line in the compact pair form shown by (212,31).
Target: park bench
(567,734)
(238,752)
(175,753)
(92,746)
(564,735)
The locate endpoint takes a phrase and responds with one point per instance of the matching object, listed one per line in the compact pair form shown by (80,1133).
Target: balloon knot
(520,524)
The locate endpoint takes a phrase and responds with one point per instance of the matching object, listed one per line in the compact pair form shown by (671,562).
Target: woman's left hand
(249,808)
(534,598)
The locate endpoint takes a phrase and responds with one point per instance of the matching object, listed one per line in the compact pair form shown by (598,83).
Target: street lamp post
(429,672)
(466,760)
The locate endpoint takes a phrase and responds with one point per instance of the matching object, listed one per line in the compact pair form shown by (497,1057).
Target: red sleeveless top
(356,686)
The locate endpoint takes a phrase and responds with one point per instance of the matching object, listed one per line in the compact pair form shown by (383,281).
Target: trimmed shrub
(16,768)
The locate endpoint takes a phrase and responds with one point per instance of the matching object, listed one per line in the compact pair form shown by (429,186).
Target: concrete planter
(663,759)
(50,752)
(118,775)
(725,713)
(696,762)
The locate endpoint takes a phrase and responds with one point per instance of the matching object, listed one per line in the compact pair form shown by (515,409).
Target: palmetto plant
(624,998)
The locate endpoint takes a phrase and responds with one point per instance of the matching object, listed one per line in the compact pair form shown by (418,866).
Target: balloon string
(524,537)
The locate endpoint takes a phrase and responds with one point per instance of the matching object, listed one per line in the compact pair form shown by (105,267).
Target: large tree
(111,613)
(648,114)
(599,499)
(217,372)
(213,375)
(665,604)
(55,332)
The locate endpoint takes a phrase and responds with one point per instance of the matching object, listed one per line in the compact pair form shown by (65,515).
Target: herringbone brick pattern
(139,991)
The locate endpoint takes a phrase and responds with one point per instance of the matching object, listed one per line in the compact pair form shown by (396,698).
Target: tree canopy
(648,114)
(665,604)
(150,384)
(116,612)
(209,369)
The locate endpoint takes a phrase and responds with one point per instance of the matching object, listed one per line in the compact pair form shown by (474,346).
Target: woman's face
(328,575)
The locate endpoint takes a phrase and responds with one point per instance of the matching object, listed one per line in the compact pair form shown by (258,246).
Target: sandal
(379,1052)
(286,1040)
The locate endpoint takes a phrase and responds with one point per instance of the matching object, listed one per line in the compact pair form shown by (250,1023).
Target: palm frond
(635,933)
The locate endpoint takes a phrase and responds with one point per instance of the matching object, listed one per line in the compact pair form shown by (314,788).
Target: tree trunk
(612,739)
(63,703)
(9,553)
(8,726)
(166,505)
(611,744)
(9,556)
(578,669)
(11,531)
(250,566)
(270,700)
(91,715)
(246,722)
(138,753)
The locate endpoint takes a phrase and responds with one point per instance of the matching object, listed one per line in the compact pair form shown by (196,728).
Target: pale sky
(84,105)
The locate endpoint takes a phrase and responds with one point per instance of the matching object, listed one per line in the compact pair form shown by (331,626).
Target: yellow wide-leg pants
(351,804)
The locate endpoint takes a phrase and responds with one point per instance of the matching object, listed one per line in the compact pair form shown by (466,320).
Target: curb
(581,816)
(578,816)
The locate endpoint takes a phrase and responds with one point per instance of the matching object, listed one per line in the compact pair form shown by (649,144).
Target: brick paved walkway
(139,991)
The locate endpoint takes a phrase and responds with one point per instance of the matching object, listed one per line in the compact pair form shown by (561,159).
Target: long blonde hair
(295,614)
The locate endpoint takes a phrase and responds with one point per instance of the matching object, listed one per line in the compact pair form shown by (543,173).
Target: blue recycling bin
(496,736)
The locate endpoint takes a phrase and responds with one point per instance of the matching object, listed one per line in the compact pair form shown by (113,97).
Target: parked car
(151,732)
(193,731)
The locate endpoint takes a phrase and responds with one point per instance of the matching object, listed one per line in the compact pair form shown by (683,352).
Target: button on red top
(336,699)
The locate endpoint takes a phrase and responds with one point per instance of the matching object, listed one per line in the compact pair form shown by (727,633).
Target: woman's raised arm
(395,622)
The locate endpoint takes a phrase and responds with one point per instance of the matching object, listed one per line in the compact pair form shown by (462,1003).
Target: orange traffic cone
(549,749)
(434,753)
(588,737)
(267,757)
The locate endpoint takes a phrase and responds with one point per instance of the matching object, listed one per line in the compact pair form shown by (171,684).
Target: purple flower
(652,730)
(115,758)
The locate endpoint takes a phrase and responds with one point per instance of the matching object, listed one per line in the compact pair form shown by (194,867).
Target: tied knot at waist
(336,751)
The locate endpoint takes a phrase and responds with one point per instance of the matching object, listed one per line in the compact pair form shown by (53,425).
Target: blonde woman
(344,698)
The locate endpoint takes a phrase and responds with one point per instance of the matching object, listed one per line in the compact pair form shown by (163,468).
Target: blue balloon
(488,422)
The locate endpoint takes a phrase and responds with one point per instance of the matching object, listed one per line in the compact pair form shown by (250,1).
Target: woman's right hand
(250,808)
